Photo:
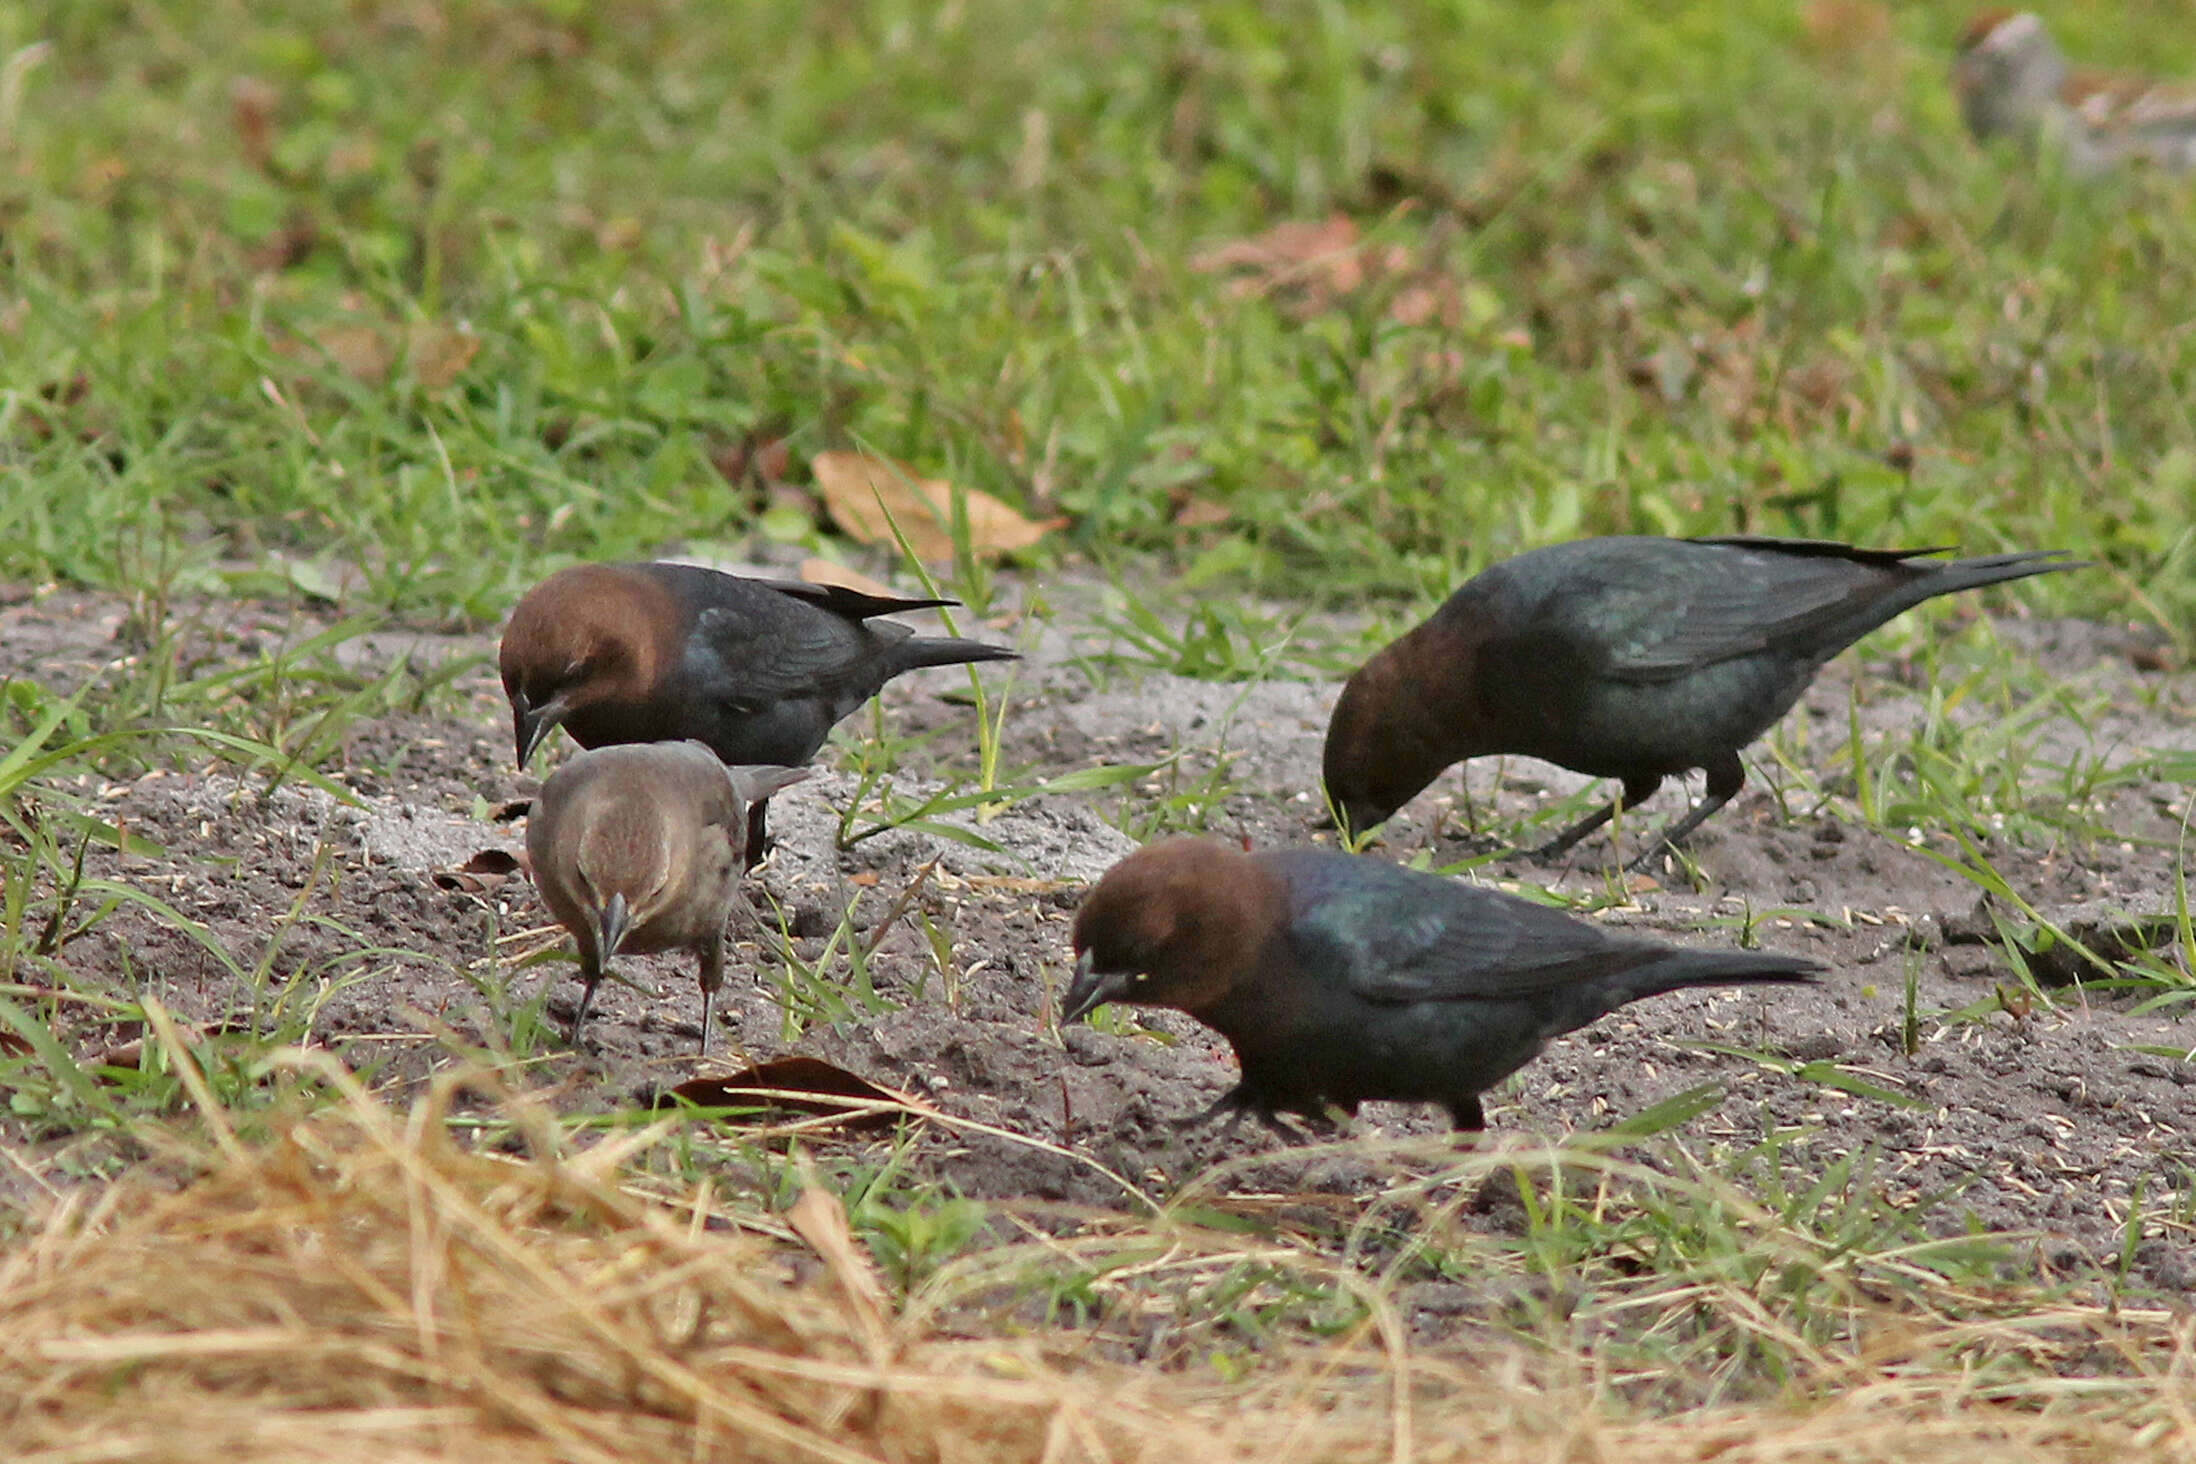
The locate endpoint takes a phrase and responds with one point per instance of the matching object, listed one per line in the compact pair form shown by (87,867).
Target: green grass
(383,311)
(1703,272)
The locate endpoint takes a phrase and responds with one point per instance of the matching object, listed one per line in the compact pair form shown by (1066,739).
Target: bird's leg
(1466,1114)
(1725,777)
(591,976)
(712,977)
(1636,792)
(755,833)
(1231,1106)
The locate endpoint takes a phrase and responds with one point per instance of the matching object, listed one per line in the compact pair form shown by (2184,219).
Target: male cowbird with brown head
(1630,658)
(1340,978)
(640,848)
(759,671)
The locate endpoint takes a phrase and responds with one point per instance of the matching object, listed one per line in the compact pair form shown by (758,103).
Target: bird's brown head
(1178,923)
(587,647)
(1391,733)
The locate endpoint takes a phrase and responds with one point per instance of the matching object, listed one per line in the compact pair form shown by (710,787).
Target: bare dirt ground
(2046,1118)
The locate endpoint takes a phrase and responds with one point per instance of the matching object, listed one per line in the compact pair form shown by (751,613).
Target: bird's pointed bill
(616,921)
(531,724)
(1093,988)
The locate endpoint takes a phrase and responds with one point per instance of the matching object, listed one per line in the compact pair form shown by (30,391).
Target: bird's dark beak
(616,921)
(530,724)
(1094,988)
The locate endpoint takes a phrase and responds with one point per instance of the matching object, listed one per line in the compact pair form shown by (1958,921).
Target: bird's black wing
(753,646)
(852,603)
(1393,935)
(1661,609)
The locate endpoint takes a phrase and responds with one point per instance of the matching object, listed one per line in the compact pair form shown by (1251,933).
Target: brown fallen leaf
(511,810)
(755,466)
(1321,256)
(867,496)
(1314,266)
(1201,513)
(824,572)
(360,352)
(1847,29)
(818,1084)
(487,870)
(438,354)
(252,105)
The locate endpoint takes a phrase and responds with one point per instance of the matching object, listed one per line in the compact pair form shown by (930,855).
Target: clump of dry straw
(361,1287)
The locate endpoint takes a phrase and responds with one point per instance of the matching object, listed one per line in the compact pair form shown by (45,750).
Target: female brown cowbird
(1340,978)
(757,670)
(639,849)
(1630,658)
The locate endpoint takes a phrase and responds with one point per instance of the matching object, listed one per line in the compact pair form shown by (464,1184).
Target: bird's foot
(1234,1105)
(1549,854)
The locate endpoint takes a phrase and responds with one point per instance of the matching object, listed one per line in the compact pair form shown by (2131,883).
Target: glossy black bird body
(1340,979)
(1634,658)
(759,671)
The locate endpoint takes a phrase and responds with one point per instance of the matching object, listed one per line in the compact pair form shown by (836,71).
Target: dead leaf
(360,352)
(866,879)
(824,572)
(1847,29)
(487,870)
(1315,266)
(131,1054)
(252,104)
(438,354)
(1201,513)
(1322,256)
(868,495)
(820,1087)
(753,461)
(511,811)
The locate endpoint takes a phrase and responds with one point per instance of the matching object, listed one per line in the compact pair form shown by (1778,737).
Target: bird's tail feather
(931,650)
(1947,579)
(1722,968)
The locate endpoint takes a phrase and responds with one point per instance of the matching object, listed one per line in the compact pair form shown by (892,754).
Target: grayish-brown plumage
(1341,979)
(639,848)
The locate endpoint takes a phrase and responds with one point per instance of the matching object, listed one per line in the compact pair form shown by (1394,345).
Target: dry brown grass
(361,1287)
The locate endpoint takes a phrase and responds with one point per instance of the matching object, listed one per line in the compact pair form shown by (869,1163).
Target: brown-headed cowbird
(1341,978)
(758,670)
(1630,658)
(640,848)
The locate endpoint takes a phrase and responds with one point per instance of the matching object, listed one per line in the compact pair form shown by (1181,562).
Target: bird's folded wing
(1391,943)
(850,602)
(1685,615)
(751,652)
